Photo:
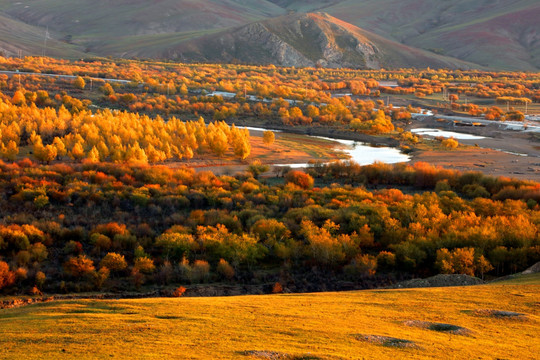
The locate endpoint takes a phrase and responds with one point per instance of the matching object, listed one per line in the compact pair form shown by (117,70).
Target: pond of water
(446,134)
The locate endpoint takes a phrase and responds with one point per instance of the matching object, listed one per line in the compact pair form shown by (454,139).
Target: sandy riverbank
(500,153)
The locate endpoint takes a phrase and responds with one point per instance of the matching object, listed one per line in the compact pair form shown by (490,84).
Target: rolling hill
(485,321)
(16,36)
(102,18)
(296,40)
(418,33)
(501,34)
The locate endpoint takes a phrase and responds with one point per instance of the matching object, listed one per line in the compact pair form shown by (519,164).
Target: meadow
(284,326)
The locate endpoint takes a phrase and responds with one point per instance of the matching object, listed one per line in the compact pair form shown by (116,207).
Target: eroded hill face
(292,40)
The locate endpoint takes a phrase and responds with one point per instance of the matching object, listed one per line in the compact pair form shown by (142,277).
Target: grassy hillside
(92,24)
(16,35)
(470,30)
(499,34)
(291,40)
(102,17)
(303,326)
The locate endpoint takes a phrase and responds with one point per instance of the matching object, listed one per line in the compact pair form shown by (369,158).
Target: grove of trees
(95,226)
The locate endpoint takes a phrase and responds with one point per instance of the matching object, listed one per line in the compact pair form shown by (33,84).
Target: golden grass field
(294,326)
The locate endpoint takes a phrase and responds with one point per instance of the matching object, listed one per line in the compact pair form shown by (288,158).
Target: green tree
(257,168)
(145,265)
(113,262)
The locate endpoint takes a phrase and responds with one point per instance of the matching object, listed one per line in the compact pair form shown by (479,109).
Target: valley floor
(501,152)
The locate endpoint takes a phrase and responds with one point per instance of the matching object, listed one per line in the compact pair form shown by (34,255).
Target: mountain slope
(494,33)
(17,37)
(99,18)
(517,33)
(497,34)
(291,40)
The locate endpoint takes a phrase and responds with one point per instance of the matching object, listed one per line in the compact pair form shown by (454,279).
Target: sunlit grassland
(528,279)
(321,325)
(318,149)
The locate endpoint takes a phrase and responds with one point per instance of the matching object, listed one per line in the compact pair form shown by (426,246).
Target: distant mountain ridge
(496,34)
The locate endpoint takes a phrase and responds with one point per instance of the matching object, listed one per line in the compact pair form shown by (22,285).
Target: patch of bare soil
(388,341)
(441,280)
(487,161)
(446,328)
(533,269)
(500,314)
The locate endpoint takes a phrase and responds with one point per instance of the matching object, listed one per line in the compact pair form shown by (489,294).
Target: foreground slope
(316,326)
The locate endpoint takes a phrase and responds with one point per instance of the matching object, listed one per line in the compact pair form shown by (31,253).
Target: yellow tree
(49,153)
(103,150)
(450,143)
(10,151)
(77,152)
(42,153)
(18,98)
(268,137)
(60,146)
(79,83)
(240,141)
(136,155)
(93,155)
(218,142)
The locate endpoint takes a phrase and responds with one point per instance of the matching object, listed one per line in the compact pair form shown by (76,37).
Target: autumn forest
(102,187)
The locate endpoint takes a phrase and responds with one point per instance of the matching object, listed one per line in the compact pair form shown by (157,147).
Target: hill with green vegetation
(486,321)
(411,33)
